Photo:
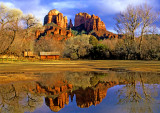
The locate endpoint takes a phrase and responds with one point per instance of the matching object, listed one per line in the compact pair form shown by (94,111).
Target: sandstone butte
(57,18)
(93,25)
(89,22)
(55,26)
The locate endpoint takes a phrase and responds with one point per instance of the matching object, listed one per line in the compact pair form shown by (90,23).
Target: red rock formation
(70,24)
(57,18)
(38,33)
(84,21)
(54,32)
(89,22)
(105,34)
(57,29)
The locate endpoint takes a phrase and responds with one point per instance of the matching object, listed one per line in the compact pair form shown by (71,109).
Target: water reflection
(56,96)
(139,92)
(92,95)
(18,98)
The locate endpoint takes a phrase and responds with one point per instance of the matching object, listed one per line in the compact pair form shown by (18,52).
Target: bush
(93,40)
(150,49)
(77,47)
(100,52)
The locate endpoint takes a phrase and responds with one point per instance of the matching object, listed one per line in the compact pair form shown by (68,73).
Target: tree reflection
(18,98)
(137,95)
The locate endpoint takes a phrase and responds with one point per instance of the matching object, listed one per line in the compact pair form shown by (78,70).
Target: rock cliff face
(57,18)
(89,22)
(84,21)
(70,24)
(53,32)
(55,25)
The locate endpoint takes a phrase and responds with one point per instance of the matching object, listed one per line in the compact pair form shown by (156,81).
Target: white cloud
(30,6)
(40,14)
(112,30)
(98,7)
(8,4)
(115,6)
(69,5)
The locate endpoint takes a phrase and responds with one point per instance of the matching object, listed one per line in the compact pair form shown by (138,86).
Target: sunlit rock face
(57,18)
(53,32)
(55,27)
(90,22)
(93,24)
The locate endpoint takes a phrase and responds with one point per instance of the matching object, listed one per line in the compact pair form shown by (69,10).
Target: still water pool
(83,92)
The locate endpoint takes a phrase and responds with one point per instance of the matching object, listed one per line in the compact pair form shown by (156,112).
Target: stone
(57,32)
(70,24)
(89,22)
(57,18)
(93,25)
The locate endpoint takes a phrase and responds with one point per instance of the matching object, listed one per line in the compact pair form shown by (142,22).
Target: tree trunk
(7,49)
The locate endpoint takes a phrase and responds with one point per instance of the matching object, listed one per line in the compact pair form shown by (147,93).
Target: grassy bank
(80,65)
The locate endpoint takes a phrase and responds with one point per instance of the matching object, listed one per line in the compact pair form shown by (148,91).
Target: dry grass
(24,71)
(7,78)
(81,65)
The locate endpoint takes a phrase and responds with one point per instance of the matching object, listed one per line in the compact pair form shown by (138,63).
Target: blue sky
(105,9)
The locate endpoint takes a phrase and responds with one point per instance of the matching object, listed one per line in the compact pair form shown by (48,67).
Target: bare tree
(136,20)
(128,21)
(9,23)
(30,24)
(148,17)
(17,31)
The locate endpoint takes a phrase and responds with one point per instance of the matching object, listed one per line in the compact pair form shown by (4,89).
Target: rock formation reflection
(92,95)
(56,96)
(89,88)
